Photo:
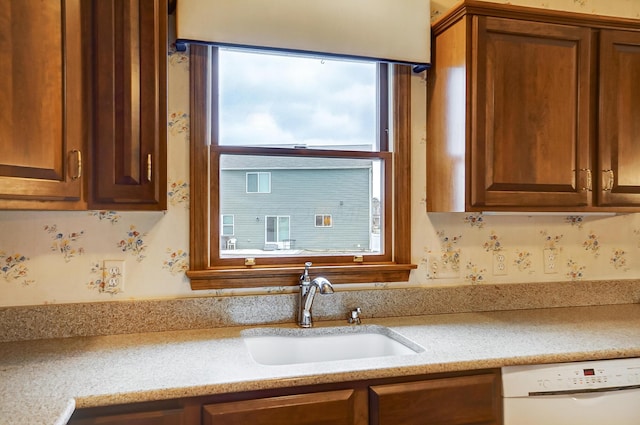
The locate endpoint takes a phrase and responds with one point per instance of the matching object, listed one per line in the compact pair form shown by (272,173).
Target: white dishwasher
(604,392)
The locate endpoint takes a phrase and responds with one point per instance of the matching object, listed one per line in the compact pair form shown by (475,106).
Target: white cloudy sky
(265,100)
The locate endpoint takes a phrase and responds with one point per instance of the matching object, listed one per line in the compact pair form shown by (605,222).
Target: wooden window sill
(246,277)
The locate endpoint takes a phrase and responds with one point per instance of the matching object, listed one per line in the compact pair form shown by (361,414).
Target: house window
(303,149)
(311,129)
(258,182)
(323,220)
(277,229)
(228,224)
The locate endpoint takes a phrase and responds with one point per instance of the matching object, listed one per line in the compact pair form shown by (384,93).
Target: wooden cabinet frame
(521,112)
(130,108)
(43,131)
(457,398)
(85,86)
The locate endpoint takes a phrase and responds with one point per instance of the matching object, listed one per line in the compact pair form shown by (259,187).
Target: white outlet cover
(550,260)
(113,275)
(500,259)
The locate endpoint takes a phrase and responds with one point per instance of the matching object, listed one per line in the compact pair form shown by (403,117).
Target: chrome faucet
(308,289)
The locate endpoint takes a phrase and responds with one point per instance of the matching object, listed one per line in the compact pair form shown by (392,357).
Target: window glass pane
(227,226)
(252,182)
(323,220)
(271,229)
(316,206)
(283,228)
(264,182)
(284,100)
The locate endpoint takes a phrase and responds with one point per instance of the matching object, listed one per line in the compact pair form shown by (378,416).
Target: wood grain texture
(619,119)
(43,124)
(522,117)
(460,398)
(130,115)
(322,408)
(464,400)
(161,417)
(199,59)
(208,270)
(532,101)
(447,124)
(401,177)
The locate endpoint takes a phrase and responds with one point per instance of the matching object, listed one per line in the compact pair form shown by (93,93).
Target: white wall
(55,257)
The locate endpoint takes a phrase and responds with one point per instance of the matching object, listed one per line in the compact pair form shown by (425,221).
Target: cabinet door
(619,119)
(161,417)
(462,400)
(42,124)
(129,134)
(323,408)
(531,133)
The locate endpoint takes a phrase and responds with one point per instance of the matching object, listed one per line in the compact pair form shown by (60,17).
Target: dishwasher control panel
(519,381)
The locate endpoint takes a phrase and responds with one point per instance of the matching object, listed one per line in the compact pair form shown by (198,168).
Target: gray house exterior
(306,204)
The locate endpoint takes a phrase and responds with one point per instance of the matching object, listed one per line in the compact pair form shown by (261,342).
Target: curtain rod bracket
(181,46)
(417,69)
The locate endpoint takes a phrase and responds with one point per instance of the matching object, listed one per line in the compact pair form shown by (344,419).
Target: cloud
(267,99)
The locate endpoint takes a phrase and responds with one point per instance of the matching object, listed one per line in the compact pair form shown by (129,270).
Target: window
(258,182)
(243,145)
(323,220)
(227,225)
(277,229)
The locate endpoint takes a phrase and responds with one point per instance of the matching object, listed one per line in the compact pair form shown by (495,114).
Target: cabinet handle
(608,187)
(589,187)
(149,168)
(78,173)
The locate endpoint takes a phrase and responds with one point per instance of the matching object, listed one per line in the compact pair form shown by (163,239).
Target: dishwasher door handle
(599,391)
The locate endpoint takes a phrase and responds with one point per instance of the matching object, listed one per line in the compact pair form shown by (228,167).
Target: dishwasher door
(619,407)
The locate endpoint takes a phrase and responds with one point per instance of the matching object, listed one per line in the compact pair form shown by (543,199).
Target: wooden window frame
(263,272)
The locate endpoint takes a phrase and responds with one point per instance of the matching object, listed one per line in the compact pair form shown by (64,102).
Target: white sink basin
(279,346)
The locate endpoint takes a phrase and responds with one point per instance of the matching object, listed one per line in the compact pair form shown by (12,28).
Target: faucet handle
(354,317)
(304,277)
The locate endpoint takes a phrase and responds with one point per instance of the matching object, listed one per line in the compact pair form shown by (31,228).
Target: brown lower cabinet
(470,398)
(461,400)
(327,407)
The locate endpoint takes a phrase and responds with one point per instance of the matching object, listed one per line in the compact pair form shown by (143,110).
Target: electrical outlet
(113,275)
(550,259)
(500,263)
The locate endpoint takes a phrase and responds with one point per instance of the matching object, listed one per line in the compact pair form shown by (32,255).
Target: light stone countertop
(42,381)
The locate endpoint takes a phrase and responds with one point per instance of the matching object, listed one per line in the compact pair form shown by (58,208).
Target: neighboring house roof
(252,162)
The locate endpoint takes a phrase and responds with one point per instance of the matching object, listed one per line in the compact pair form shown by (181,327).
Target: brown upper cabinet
(532,110)
(84,89)
(619,118)
(43,93)
(130,108)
